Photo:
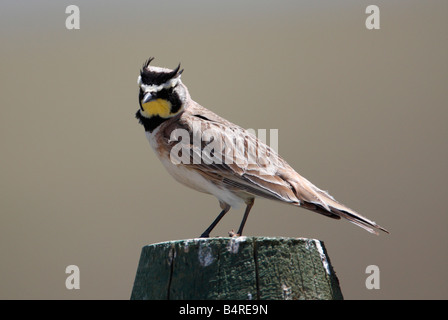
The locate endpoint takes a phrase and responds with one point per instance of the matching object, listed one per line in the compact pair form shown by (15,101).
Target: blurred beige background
(360,113)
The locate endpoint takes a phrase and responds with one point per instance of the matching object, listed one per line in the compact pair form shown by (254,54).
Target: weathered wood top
(257,268)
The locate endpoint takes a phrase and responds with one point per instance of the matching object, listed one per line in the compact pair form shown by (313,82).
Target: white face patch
(155,88)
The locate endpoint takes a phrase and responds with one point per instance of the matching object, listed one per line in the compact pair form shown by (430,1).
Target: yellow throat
(157,107)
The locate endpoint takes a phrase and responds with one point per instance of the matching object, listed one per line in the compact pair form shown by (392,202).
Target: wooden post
(241,268)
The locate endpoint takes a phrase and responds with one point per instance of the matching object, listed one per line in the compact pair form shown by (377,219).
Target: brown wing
(236,160)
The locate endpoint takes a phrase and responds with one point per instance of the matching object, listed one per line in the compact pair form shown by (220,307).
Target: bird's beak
(148,97)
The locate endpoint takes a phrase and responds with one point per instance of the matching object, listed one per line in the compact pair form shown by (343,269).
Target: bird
(212,155)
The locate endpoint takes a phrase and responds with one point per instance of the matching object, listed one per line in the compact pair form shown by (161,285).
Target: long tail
(346,213)
(361,221)
(317,200)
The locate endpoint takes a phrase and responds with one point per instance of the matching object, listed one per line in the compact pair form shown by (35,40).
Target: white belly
(194,180)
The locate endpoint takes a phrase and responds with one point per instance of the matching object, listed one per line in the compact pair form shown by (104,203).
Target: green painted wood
(240,268)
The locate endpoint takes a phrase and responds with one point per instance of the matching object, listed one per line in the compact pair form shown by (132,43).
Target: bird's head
(162,94)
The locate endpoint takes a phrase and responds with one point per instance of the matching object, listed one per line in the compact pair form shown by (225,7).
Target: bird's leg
(249,203)
(225,208)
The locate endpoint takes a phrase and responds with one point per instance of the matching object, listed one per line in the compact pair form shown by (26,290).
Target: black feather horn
(175,73)
(147,62)
(149,77)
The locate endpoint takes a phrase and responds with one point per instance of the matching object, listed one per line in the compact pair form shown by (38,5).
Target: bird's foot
(233,234)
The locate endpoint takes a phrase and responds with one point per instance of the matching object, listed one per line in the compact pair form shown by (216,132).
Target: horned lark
(237,168)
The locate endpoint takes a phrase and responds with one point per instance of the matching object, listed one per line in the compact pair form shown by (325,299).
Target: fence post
(239,268)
